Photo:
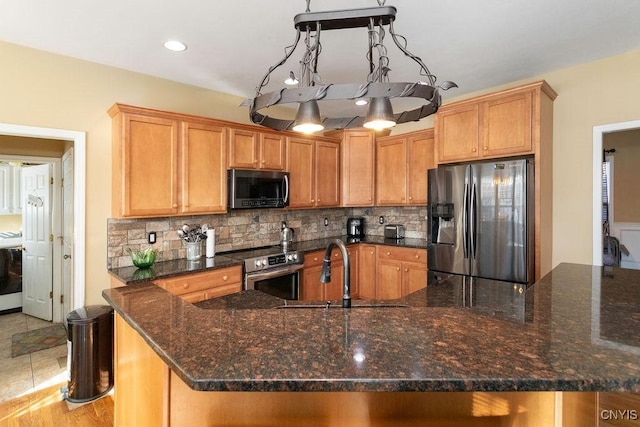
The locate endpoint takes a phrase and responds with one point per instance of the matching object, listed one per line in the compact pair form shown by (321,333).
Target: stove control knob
(257,263)
(264,262)
(295,257)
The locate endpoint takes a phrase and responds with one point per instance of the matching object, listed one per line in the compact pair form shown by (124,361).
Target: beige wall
(10,223)
(42,89)
(626,174)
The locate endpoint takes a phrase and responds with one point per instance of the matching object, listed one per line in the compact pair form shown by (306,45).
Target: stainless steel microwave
(253,189)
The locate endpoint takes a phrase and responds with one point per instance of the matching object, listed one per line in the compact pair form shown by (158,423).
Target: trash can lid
(89,313)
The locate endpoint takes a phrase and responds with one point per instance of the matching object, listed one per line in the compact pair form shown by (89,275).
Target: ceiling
(231,44)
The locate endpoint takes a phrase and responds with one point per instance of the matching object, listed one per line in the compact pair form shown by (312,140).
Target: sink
(338,305)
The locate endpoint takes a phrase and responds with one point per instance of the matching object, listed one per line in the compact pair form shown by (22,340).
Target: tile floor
(24,374)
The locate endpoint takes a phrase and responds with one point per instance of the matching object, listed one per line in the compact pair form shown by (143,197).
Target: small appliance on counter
(286,234)
(355,228)
(394,231)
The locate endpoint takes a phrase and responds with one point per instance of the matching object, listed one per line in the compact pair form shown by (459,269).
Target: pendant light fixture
(378,90)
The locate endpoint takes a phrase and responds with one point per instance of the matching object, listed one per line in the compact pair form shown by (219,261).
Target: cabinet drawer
(315,258)
(190,283)
(403,254)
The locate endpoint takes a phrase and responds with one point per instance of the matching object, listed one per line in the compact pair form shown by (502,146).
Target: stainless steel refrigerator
(481,222)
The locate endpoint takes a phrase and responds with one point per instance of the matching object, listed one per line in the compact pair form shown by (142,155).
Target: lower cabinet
(206,285)
(389,272)
(311,289)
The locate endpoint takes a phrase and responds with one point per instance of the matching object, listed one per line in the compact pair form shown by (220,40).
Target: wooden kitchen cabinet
(314,169)
(358,168)
(496,125)
(367,271)
(202,286)
(312,289)
(402,162)
(399,271)
(166,164)
(256,150)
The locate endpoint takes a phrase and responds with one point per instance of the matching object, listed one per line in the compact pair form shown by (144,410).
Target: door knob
(67,256)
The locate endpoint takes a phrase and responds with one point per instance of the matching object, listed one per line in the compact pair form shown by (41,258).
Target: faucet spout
(325,276)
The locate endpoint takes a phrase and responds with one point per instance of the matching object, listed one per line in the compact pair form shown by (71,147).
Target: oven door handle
(256,276)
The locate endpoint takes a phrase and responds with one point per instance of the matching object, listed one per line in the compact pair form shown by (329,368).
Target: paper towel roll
(211,243)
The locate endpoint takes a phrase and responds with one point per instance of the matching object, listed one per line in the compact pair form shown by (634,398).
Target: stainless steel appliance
(480,220)
(394,231)
(273,270)
(355,228)
(252,189)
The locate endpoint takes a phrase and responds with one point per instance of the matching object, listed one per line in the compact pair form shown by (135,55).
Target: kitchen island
(183,362)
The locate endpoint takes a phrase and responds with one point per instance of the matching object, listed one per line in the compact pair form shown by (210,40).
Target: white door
(67,232)
(37,266)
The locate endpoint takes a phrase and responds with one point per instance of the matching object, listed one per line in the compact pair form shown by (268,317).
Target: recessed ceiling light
(362,102)
(175,45)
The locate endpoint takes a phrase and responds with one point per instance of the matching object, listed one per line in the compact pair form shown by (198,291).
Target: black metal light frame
(314,91)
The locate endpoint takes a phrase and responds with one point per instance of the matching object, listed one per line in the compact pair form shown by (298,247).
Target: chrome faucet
(325,276)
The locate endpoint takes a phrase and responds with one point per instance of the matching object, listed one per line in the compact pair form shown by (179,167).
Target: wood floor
(46,408)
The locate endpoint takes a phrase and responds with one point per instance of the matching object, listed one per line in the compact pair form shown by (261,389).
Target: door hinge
(51,180)
(51,237)
(61,182)
(61,299)
(50,294)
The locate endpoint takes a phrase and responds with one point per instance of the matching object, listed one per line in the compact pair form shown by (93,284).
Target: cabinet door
(414,277)
(391,171)
(327,171)
(458,133)
(419,160)
(300,166)
(311,288)
(272,152)
(149,166)
(367,271)
(388,279)
(507,125)
(203,169)
(358,168)
(354,266)
(5,186)
(243,149)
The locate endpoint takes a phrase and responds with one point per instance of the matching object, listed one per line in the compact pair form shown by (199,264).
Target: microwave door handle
(286,189)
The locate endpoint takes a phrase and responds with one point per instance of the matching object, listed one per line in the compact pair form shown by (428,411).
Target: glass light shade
(380,115)
(308,118)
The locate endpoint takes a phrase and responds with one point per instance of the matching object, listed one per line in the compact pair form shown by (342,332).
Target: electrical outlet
(151,238)
(381,220)
(326,222)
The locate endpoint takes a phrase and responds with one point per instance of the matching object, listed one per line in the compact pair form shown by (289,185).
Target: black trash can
(90,353)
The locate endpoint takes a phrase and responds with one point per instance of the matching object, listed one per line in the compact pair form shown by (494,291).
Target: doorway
(75,296)
(598,144)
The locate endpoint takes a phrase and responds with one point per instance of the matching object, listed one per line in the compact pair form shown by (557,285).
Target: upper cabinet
(358,168)
(401,168)
(314,169)
(256,150)
(166,164)
(496,125)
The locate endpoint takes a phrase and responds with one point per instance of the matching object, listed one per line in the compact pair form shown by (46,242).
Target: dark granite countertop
(580,333)
(131,275)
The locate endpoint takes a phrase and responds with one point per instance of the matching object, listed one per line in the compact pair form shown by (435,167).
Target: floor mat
(40,339)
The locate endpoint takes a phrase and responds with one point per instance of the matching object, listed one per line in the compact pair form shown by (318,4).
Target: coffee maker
(355,228)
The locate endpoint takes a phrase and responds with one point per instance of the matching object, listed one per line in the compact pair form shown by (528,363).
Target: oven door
(281,282)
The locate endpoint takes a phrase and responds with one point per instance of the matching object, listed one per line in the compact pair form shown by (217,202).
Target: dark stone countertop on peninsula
(580,333)
(164,269)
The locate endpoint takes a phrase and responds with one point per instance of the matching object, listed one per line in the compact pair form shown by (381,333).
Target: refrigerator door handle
(473,222)
(465,222)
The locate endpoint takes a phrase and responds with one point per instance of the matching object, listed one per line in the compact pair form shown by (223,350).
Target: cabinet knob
(410,198)
(388,253)
(474,150)
(185,286)
(225,277)
(264,161)
(175,205)
(315,258)
(485,147)
(335,255)
(417,256)
(312,201)
(406,270)
(371,252)
(369,199)
(397,268)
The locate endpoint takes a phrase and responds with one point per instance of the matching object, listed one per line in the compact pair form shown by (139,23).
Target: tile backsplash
(252,228)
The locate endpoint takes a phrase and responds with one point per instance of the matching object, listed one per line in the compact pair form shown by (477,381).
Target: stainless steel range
(273,270)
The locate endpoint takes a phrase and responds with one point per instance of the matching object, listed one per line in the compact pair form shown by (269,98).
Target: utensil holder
(194,250)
